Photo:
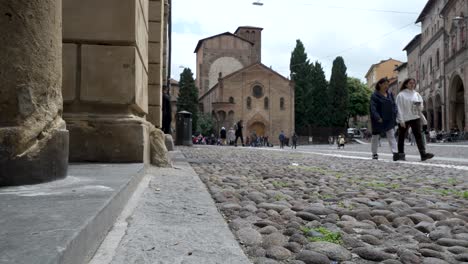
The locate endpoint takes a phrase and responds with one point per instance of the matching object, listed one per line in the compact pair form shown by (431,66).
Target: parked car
(354,133)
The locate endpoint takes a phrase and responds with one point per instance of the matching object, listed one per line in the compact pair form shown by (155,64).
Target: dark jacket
(239,129)
(384,108)
(223,133)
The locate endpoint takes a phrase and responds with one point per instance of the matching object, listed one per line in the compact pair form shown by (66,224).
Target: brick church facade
(234,84)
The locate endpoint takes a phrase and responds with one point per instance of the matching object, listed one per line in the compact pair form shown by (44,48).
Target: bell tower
(254,35)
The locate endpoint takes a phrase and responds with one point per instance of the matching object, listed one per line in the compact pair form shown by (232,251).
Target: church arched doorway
(258,128)
(457,104)
(430,113)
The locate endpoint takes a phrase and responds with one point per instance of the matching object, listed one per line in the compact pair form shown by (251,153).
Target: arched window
(230,117)
(266,103)
(231,100)
(257,91)
(462,24)
(282,103)
(221,116)
(437,58)
(430,65)
(249,103)
(423,72)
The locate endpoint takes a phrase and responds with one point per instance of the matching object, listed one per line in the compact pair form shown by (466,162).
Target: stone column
(33,137)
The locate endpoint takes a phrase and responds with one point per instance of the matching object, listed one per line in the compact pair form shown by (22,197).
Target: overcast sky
(363,32)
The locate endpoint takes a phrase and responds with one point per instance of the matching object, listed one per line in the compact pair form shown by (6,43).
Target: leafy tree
(205,124)
(317,99)
(300,71)
(338,94)
(359,97)
(188,96)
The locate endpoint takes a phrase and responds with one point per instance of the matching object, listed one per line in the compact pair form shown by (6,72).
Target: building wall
(239,87)
(254,35)
(221,51)
(380,70)
(401,77)
(157,59)
(431,59)
(111,52)
(413,62)
(456,58)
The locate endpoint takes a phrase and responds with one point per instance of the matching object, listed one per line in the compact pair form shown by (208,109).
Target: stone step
(64,221)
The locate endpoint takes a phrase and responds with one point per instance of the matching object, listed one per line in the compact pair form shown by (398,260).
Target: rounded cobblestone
(372,209)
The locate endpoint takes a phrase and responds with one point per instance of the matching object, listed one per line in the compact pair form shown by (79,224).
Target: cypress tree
(317,98)
(338,94)
(300,70)
(188,96)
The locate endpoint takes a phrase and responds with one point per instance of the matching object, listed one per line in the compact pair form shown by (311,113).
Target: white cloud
(327,28)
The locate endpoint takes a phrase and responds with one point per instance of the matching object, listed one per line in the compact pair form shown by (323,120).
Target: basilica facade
(234,85)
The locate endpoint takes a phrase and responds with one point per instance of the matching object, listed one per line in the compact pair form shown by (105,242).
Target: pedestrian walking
(281,138)
(383,113)
(238,128)
(410,106)
(294,140)
(223,136)
(341,141)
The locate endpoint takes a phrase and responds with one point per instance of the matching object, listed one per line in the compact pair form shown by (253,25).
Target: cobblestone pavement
(299,207)
(455,154)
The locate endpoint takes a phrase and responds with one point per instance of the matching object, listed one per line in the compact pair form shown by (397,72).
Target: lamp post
(257,3)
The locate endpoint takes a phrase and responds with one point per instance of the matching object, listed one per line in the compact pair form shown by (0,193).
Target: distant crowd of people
(234,134)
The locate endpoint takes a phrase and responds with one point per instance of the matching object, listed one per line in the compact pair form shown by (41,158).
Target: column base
(108,139)
(51,163)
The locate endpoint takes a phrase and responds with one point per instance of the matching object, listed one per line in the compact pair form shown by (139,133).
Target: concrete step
(174,220)
(64,221)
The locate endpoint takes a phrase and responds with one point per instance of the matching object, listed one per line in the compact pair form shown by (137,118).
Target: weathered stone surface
(448,242)
(49,163)
(372,254)
(158,148)
(278,253)
(69,70)
(331,250)
(108,138)
(104,21)
(169,142)
(113,75)
(311,257)
(249,236)
(31,125)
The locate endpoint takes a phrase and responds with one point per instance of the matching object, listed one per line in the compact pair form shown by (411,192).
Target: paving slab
(176,221)
(64,221)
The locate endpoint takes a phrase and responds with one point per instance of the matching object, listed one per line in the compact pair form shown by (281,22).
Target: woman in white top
(410,106)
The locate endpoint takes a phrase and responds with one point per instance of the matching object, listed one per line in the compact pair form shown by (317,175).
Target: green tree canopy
(206,124)
(359,97)
(300,72)
(317,98)
(188,96)
(338,94)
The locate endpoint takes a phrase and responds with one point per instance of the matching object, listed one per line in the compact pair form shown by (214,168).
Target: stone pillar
(105,82)
(33,136)
(156,63)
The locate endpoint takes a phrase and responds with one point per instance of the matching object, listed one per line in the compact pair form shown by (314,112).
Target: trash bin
(184,128)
